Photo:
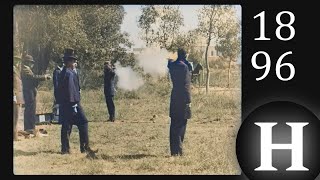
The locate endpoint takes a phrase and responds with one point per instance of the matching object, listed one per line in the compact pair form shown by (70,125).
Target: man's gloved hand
(15,99)
(74,107)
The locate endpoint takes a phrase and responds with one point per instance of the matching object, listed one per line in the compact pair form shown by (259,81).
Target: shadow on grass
(126,157)
(26,153)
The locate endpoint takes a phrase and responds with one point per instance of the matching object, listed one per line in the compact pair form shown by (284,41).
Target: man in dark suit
(30,82)
(71,112)
(109,89)
(55,78)
(180,101)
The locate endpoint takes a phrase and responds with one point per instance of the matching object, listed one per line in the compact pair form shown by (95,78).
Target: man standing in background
(55,78)
(109,89)
(180,101)
(17,94)
(30,83)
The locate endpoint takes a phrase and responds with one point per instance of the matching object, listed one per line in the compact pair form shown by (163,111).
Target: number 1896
(263,37)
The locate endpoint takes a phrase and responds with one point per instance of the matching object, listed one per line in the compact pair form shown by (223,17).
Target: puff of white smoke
(127,78)
(153,61)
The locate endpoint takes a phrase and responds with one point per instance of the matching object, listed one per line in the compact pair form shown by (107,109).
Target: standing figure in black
(55,78)
(109,89)
(30,82)
(180,101)
(71,112)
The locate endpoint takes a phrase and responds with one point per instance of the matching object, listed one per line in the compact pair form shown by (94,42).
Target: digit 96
(263,37)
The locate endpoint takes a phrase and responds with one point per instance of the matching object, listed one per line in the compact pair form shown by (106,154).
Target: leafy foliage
(93,31)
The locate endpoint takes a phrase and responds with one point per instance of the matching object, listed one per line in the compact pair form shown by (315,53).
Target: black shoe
(83,149)
(65,152)
(112,119)
(177,154)
(88,150)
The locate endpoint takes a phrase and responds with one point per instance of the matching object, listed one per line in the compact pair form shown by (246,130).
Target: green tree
(92,30)
(229,43)
(212,25)
(185,40)
(147,18)
(161,25)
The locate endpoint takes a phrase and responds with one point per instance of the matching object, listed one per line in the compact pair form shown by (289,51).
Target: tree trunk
(147,44)
(206,55)
(229,73)
(207,66)
(16,38)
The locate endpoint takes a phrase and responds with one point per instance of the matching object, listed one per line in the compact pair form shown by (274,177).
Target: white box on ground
(42,118)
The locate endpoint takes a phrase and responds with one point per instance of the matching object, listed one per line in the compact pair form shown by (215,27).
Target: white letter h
(296,147)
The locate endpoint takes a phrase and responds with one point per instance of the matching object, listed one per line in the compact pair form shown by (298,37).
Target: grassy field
(138,142)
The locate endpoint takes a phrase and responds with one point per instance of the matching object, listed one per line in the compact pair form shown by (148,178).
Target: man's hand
(74,107)
(48,77)
(15,99)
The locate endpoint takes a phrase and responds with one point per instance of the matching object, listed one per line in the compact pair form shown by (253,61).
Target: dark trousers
(65,136)
(110,106)
(68,119)
(29,96)
(177,132)
(30,113)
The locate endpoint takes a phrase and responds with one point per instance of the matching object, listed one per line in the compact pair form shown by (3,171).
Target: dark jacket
(188,64)
(180,94)
(69,88)
(30,82)
(69,98)
(109,87)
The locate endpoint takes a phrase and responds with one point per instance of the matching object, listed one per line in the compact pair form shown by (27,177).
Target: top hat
(28,58)
(69,54)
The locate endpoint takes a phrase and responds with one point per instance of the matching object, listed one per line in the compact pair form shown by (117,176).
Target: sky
(130,22)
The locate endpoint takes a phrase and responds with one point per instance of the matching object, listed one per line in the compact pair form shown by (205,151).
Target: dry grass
(132,148)
(138,143)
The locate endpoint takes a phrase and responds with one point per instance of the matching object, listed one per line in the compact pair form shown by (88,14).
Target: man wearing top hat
(30,83)
(71,112)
